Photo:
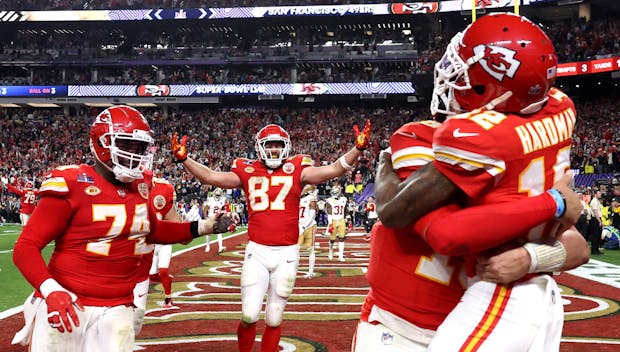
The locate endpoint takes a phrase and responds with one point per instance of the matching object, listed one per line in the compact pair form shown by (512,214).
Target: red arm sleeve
(14,189)
(48,222)
(454,232)
(169,232)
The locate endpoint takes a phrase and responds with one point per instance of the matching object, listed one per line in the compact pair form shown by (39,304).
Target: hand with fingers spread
(61,313)
(179,148)
(362,138)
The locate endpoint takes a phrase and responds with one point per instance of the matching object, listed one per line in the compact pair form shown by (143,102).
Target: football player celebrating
(272,185)
(28,198)
(438,281)
(213,206)
(307,224)
(97,216)
(335,207)
(508,105)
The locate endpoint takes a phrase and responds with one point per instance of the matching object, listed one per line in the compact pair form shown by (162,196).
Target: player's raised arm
(200,171)
(316,175)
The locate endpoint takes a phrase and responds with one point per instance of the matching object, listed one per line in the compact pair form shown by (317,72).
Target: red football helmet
(29,185)
(121,139)
(272,157)
(502,62)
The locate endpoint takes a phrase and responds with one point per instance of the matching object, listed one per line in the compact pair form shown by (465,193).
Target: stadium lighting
(99,105)
(9,105)
(142,105)
(44,105)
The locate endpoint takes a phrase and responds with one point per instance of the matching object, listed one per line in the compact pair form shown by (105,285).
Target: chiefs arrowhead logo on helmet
(502,59)
(498,61)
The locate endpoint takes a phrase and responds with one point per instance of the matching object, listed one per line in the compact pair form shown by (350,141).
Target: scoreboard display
(588,67)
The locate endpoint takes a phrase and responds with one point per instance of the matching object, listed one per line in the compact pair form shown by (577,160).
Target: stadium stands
(289,49)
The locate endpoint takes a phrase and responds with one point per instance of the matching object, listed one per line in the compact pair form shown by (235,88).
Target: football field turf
(322,312)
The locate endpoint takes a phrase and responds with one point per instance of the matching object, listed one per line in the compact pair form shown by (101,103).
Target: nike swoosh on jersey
(458,134)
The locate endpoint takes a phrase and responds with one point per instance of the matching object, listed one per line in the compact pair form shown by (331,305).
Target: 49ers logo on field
(153,90)
(498,61)
(414,7)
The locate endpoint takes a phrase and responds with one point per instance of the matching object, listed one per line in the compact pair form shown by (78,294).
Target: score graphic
(587,67)
(33,91)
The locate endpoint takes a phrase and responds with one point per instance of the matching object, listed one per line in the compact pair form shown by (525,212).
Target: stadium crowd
(35,141)
(270,55)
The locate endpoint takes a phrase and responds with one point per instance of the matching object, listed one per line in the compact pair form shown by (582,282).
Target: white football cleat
(330,255)
(223,248)
(309,276)
(207,248)
(341,259)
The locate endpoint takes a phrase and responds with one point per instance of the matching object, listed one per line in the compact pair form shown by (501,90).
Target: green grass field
(16,288)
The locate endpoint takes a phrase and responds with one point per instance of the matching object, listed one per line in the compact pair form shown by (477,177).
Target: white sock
(311,259)
(341,249)
(219,240)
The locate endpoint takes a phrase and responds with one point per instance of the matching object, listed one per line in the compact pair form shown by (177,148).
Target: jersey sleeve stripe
(54,184)
(412,156)
(307,161)
(468,160)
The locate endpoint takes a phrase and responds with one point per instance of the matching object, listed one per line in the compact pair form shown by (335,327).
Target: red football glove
(179,148)
(225,222)
(330,228)
(362,139)
(60,309)
(235,218)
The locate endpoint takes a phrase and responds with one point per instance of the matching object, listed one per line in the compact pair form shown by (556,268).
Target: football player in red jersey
(273,186)
(510,139)
(97,216)
(156,261)
(28,199)
(438,281)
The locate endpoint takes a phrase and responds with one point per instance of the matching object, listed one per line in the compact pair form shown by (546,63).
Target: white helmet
(335,191)
(217,193)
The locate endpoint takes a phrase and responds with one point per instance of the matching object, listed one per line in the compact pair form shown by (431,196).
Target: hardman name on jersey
(548,131)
